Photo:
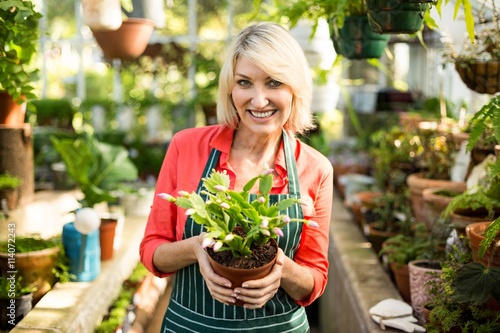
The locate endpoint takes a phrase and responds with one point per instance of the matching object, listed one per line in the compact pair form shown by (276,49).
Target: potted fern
(485,196)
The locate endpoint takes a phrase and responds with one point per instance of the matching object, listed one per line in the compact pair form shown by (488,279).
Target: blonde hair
(276,52)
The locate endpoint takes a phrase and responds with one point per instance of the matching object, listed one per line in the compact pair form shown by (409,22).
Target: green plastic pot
(394,17)
(356,40)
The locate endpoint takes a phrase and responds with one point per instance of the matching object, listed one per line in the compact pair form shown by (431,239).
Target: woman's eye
(244,83)
(274,84)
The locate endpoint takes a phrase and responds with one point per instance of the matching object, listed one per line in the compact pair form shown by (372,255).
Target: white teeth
(262,114)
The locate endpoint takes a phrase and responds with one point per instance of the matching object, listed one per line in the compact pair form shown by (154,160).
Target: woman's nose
(259,99)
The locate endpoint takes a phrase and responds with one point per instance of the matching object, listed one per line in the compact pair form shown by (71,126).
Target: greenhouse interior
(405,100)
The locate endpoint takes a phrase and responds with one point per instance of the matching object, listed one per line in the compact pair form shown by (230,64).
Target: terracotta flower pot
(402,279)
(107,237)
(463,218)
(35,268)
(475,232)
(11,113)
(377,237)
(417,184)
(127,42)
(237,275)
(436,203)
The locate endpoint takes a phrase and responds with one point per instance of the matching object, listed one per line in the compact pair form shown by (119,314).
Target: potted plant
(389,216)
(130,39)
(238,224)
(97,168)
(398,250)
(18,41)
(435,160)
(349,28)
(481,201)
(396,16)
(461,295)
(9,185)
(38,261)
(15,301)
(478,63)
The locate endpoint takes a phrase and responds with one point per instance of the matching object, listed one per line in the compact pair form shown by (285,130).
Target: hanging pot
(127,42)
(394,17)
(102,14)
(480,76)
(356,40)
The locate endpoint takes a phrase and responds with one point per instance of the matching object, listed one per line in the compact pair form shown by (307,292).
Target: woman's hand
(219,287)
(256,293)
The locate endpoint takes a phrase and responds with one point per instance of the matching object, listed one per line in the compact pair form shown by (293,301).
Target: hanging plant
(478,63)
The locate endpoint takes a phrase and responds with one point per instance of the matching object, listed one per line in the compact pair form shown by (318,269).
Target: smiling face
(263,104)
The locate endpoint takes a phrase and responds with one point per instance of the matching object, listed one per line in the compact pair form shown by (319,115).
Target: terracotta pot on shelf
(237,275)
(416,185)
(11,113)
(360,201)
(402,280)
(376,236)
(436,202)
(127,42)
(475,233)
(107,237)
(460,219)
(35,267)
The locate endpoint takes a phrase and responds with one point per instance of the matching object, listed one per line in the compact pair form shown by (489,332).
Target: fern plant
(487,194)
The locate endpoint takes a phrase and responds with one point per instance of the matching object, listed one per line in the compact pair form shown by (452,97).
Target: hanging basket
(356,40)
(394,17)
(481,76)
(127,42)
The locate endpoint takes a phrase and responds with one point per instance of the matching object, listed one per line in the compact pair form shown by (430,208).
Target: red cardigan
(182,170)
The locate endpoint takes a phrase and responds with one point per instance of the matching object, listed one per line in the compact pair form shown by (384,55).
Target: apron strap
(291,167)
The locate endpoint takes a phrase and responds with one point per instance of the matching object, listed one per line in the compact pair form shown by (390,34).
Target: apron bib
(192,308)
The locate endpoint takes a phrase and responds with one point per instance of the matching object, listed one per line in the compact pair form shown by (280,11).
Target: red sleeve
(318,196)
(182,169)
(161,225)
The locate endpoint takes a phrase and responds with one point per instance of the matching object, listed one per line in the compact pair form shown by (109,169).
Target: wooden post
(16,158)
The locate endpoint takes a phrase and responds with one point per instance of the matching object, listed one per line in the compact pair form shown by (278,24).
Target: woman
(265,91)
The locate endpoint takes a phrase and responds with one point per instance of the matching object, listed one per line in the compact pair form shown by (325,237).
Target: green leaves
(95,166)
(221,211)
(476,284)
(19,35)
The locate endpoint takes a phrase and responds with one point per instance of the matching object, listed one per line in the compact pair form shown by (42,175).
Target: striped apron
(192,308)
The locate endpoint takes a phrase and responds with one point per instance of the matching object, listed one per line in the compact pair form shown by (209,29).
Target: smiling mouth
(266,114)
